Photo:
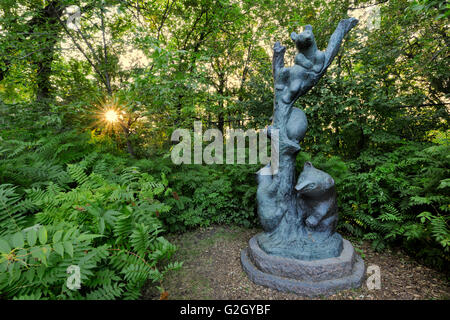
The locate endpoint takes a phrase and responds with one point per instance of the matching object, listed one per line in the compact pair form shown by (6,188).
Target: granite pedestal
(310,278)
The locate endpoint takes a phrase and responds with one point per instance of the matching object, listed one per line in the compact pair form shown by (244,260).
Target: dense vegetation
(80,188)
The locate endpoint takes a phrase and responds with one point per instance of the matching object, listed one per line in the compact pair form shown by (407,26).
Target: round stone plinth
(306,270)
(310,278)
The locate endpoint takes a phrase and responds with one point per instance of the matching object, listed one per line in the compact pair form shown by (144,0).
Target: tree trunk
(48,20)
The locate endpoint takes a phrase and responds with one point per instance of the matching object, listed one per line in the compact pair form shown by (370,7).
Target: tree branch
(83,52)
(105,51)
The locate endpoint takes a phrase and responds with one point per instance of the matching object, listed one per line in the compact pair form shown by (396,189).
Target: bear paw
(312,221)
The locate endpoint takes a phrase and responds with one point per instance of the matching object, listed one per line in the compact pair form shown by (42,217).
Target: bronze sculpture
(299,217)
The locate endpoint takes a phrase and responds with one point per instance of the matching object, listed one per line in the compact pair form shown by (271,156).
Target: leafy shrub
(403,198)
(207,194)
(97,213)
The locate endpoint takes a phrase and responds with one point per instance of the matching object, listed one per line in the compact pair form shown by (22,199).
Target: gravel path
(212,270)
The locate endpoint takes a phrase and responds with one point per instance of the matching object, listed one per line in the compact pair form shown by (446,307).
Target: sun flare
(111,116)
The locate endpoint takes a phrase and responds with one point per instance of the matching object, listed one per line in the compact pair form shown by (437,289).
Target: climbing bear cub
(308,62)
(308,56)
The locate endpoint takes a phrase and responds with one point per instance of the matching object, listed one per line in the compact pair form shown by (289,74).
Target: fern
(77,173)
(106,225)
(12,210)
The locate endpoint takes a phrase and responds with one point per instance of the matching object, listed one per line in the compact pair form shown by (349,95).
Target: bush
(207,194)
(97,214)
(403,198)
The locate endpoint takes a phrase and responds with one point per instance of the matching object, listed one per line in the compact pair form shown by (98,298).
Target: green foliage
(62,167)
(207,194)
(12,209)
(438,8)
(95,213)
(403,198)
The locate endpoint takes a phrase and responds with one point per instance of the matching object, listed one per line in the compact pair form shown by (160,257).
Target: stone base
(310,278)
(302,246)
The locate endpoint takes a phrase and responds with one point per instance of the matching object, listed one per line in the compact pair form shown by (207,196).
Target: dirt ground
(212,270)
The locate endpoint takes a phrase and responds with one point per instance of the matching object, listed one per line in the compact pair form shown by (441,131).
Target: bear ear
(307,27)
(294,36)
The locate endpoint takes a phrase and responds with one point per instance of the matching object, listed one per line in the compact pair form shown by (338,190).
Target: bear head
(313,182)
(305,39)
